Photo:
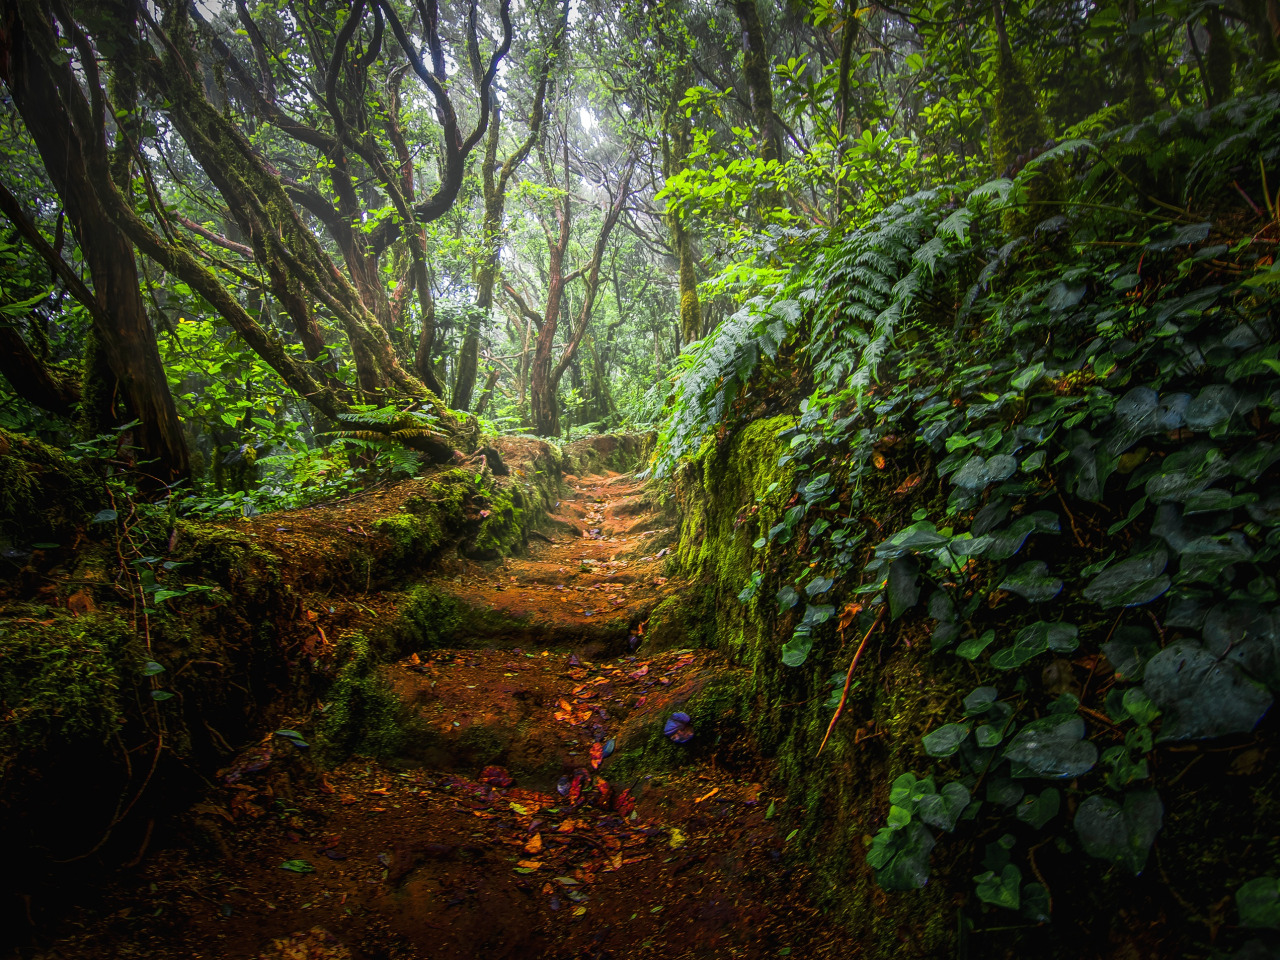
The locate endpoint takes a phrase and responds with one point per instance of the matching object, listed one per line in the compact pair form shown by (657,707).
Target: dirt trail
(592,577)
(501,831)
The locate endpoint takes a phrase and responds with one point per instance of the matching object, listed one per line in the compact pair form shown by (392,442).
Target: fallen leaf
(534,845)
(677,839)
(597,755)
(529,864)
(496,777)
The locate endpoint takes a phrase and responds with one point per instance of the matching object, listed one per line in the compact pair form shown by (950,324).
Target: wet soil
(499,830)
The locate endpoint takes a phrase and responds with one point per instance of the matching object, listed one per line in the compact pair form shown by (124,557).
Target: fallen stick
(844,695)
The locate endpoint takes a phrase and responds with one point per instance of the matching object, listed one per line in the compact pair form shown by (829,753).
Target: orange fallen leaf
(708,795)
(910,483)
(597,755)
(529,864)
(534,845)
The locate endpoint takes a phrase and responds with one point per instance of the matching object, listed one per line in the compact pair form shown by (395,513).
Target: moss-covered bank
(729,497)
(138,654)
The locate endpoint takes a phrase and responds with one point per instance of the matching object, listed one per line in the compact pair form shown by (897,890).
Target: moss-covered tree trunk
(38,70)
(757,67)
(676,132)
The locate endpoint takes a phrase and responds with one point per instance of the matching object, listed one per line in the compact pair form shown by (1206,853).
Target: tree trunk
(38,72)
(1218,56)
(756,67)
(675,148)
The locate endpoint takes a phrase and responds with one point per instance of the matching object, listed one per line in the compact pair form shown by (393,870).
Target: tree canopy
(254,230)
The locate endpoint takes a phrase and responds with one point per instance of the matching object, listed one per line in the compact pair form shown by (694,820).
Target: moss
(1017,131)
(43,493)
(228,557)
(61,680)
(617,453)
(504,525)
(716,706)
(676,622)
(730,495)
(361,712)
(429,618)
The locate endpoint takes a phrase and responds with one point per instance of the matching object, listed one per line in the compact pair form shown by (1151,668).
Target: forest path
(499,830)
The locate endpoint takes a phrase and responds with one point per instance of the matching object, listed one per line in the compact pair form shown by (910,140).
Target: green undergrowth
(1036,472)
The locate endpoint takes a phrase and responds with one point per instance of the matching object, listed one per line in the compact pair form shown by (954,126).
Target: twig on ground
(844,695)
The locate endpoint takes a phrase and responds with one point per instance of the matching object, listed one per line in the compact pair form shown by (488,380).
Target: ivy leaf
(1214,405)
(818,585)
(1052,747)
(1202,695)
(1259,903)
(1027,377)
(972,648)
(919,536)
(1139,706)
(104,516)
(1033,582)
(1064,295)
(988,735)
(946,740)
(1039,810)
(1131,582)
(815,614)
(1034,640)
(903,788)
(787,598)
(1247,635)
(1129,653)
(1206,558)
(796,650)
(1003,544)
(904,862)
(1123,835)
(1035,903)
(1136,414)
(1001,890)
(903,586)
(151,668)
(977,472)
(941,810)
(979,700)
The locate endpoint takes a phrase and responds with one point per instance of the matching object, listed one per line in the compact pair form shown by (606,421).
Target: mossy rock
(713,697)
(362,713)
(43,493)
(617,453)
(63,679)
(428,619)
